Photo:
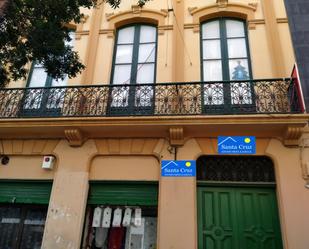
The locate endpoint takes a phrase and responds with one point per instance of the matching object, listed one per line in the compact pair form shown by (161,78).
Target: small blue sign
(236,145)
(185,168)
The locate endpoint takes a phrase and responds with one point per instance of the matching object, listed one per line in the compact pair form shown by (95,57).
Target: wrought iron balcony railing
(194,98)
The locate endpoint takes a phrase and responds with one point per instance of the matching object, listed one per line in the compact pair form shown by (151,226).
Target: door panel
(238,218)
(259,226)
(217,225)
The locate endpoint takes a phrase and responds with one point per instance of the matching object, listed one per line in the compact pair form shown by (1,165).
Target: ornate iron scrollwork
(235,169)
(188,98)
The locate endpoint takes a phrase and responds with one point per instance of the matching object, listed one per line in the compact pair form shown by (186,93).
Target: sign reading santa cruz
(236,145)
(185,168)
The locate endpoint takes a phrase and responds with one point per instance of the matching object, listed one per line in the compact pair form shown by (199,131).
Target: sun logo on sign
(247,140)
(188,164)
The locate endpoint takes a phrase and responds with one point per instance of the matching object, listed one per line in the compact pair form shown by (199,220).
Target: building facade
(81,158)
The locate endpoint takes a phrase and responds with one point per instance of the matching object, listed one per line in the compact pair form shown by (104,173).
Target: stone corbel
(292,135)
(74,137)
(176,136)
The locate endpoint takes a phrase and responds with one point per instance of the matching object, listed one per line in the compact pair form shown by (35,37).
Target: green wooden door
(238,218)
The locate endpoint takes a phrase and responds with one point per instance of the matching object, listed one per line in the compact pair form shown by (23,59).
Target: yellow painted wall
(139,158)
(25,168)
(144,168)
(261,45)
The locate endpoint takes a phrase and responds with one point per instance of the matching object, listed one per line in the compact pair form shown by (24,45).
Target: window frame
(222,90)
(49,79)
(136,43)
(129,105)
(224,47)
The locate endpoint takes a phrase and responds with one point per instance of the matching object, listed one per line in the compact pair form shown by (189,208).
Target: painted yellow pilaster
(178,43)
(273,38)
(92,47)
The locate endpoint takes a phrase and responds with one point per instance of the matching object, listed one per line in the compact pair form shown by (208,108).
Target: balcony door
(134,67)
(226,66)
(44,95)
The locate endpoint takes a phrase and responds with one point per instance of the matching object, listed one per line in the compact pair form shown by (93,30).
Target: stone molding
(222,8)
(137,14)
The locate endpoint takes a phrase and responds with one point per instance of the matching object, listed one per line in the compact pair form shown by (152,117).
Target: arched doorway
(237,204)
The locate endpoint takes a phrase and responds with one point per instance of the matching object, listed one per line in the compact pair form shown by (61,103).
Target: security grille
(235,169)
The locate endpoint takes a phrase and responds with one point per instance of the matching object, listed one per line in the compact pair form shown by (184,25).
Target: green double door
(238,218)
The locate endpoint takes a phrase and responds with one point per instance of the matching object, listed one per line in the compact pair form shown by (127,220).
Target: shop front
(121,215)
(23,209)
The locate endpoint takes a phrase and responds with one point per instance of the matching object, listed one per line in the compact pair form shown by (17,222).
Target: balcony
(271,96)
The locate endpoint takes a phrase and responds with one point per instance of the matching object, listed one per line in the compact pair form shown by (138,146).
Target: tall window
(42,99)
(134,63)
(38,76)
(135,55)
(225,57)
(225,53)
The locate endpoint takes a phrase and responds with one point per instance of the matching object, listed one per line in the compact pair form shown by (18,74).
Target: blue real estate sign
(236,145)
(181,168)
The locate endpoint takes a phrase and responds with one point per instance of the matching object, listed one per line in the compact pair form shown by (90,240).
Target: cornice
(169,127)
(153,120)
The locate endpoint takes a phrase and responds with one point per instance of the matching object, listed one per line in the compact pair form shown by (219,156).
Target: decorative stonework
(222,8)
(282,20)
(109,32)
(222,3)
(253,5)
(137,14)
(252,23)
(292,135)
(136,9)
(74,137)
(176,136)
(163,28)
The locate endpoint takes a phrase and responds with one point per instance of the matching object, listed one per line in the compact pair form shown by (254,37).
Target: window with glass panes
(225,53)
(38,76)
(134,63)
(225,57)
(39,99)
(135,55)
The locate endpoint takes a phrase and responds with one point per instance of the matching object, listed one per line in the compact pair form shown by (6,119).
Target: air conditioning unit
(48,162)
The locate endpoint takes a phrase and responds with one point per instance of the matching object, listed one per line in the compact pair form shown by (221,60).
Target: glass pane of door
(10,219)
(33,229)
